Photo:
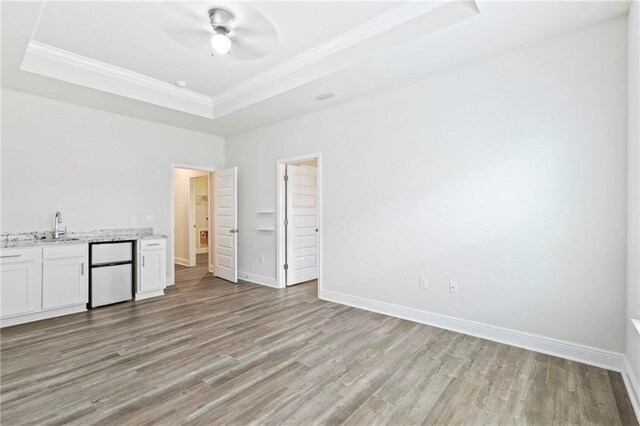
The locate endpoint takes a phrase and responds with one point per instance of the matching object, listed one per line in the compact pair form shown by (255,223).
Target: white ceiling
(317,50)
(138,36)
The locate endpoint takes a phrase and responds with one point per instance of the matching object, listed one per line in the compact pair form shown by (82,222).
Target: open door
(302,224)
(212,229)
(225,223)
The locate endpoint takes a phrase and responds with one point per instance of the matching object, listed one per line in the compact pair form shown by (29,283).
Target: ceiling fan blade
(183,11)
(243,51)
(192,38)
(248,33)
(253,35)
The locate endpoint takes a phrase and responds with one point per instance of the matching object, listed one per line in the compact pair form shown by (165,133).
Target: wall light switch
(424,283)
(453,286)
(148,218)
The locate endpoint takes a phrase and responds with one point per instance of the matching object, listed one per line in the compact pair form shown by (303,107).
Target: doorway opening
(299,231)
(219,236)
(192,209)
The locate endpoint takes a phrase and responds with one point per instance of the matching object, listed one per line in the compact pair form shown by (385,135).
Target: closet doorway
(192,215)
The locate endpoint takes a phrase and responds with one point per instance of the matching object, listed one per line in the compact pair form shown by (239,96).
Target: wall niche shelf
(265,229)
(265,212)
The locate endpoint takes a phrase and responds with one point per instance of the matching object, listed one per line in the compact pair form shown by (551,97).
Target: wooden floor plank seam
(211,352)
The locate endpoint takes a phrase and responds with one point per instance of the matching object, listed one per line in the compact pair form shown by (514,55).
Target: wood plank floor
(210,352)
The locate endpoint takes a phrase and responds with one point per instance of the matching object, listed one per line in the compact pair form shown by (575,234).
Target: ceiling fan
(239,32)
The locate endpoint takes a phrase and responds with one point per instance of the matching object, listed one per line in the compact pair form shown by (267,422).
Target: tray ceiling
(125,57)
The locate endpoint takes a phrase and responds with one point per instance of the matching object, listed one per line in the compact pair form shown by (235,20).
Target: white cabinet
(42,282)
(152,268)
(65,277)
(19,281)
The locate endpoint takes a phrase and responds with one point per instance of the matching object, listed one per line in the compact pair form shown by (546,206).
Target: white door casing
(302,224)
(225,220)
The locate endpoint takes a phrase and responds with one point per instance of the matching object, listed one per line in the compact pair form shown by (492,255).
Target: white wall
(633,188)
(507,175)
(97,168)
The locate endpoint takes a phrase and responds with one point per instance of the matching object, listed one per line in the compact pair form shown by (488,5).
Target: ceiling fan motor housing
(221,20)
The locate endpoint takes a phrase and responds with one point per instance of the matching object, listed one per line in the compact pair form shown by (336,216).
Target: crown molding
(380,35)
(400,24)
(372,28)
(50,61)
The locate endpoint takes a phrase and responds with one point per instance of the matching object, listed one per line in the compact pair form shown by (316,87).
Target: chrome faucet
(57,221)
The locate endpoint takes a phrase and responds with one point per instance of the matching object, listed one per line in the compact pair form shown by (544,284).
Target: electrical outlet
(424,283)
(133,218)
(453,286)
(148,218)
(262,258)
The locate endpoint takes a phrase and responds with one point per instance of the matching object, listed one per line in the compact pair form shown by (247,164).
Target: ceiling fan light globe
(220,44)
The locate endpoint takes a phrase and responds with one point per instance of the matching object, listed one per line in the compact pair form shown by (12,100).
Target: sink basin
(57,240)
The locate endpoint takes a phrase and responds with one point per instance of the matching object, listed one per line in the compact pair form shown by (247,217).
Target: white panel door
(302,224)
(212,231)
(225,221)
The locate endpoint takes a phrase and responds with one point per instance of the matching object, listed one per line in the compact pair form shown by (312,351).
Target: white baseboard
(149,294)
(37,316)
(181,261)
(201,251)
(547,345)
(632,384)
(258,279)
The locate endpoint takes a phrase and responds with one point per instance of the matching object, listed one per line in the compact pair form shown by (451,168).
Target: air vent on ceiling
(323,96)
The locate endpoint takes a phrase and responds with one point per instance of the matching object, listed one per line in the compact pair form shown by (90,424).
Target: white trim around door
(280,215)
(172,211)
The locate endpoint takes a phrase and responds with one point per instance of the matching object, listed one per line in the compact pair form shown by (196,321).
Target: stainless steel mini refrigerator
(112,272)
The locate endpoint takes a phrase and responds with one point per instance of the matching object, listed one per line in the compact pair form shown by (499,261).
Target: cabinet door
(64,282)
(19,288)
(152,270)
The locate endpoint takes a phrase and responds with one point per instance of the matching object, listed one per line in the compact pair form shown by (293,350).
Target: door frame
(191,214)
(172,211)
(280,215)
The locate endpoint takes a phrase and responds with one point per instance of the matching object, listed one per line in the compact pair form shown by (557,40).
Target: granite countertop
(45,239)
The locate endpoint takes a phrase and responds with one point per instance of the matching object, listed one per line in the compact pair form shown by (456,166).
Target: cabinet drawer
(60,252)
(20,254)
(111,252)
(152,244)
